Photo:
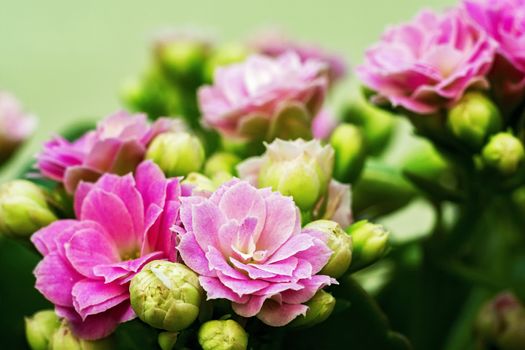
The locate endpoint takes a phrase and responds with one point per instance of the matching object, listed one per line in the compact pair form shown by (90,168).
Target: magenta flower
(503,21)
(121,224)
(275,43)
(117,146)
(15,125)
(247,246)
(258,89)
(428,63)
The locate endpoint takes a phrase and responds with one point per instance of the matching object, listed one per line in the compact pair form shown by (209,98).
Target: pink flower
(258,88)
(429,63)
(121,224)
(503,21)
(274,43)
(15,125)
(117,146)
(247,246)
(323,124)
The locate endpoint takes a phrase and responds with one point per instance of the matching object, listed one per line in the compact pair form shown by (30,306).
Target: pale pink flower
(121,224)
(116,146)
(248,247)
(428,63)
(258,88)
(323,124)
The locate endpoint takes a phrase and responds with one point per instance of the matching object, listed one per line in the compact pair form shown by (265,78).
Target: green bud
(339,242)
(40,328)
(23,209)
(221,162)
(501,323)
(350,153)
(222,335)
(370,242)
(166,295)
(176,153)
(222,56)
(167,340)
(503,153)
(320,307)
(473,119)
(199,182)
(64,339)
(183,59)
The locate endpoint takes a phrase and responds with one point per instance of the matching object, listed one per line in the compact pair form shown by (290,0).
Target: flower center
(130,255)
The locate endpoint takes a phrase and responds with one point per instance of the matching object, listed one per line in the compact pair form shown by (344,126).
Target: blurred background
(66,61)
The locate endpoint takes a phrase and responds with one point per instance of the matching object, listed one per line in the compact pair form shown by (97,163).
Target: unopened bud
(40,329)
(182,57)
(320,307)
(504,153)
(370,242)
(167,340)
(222,335)
(199,183)
(350,153)
(221,162)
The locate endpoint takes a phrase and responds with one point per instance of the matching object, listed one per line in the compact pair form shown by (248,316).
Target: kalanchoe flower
(121,224)
(117,146)
(274,43)
(166,295)
(248,247)
(264,97)
(40,329)
(428,63)
(15,125)
(222,335)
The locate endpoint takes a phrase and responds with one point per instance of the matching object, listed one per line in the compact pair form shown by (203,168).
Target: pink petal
(216,290)
(125,270)
(206,222)
(276,315)
(251,308)
(45,238)
(101,325)
(193,255)
(92,297)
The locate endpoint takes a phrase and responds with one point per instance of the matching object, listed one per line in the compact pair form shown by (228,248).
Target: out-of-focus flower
(224,55)
(166,295)
(504,153)
(117,146)
(40,329)
(176,153)
(15,125)
(323,124)
(320,307)
(64,339)
(264,97)
(428,63)
(222,335)
(501,323)
(503,21)
(121,224)
(337,204)
(23,209)
(247,246)
(274,43)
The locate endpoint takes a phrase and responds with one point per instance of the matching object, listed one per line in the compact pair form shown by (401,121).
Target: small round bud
(223,55)
(167,340)
(166,295)
(473,119)
(369,243)
(221,162)
(182,58)
(504,153)
(64,339)
(199,183)
(176,153)
(40,328)
(339,242)
(23,209)
(222,335)
(320,307)
(350,154)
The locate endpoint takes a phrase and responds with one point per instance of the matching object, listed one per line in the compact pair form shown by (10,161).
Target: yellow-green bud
(370,242)
(64,339)
(221,162)
(222,335)
(503,153)
(320,307)
(176,153)
(23,209)
(167,340)
(473,119)
(223,55)
(40,329)
(166,295)
(183,58)
(350,154)
(339,242)
(199,182)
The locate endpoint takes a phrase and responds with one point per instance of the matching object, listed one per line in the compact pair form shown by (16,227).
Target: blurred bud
(301,169)
(167,340)
(40,328)
(64,339)
(222,335)
(350,153)
(339,242)
(23,209)
(370,242)
(504,153)
(221,162)
(473,119)
(223,55)
(199,183)
(320,307)
(377,125)
(501,323)
(166,295)
(176,153)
